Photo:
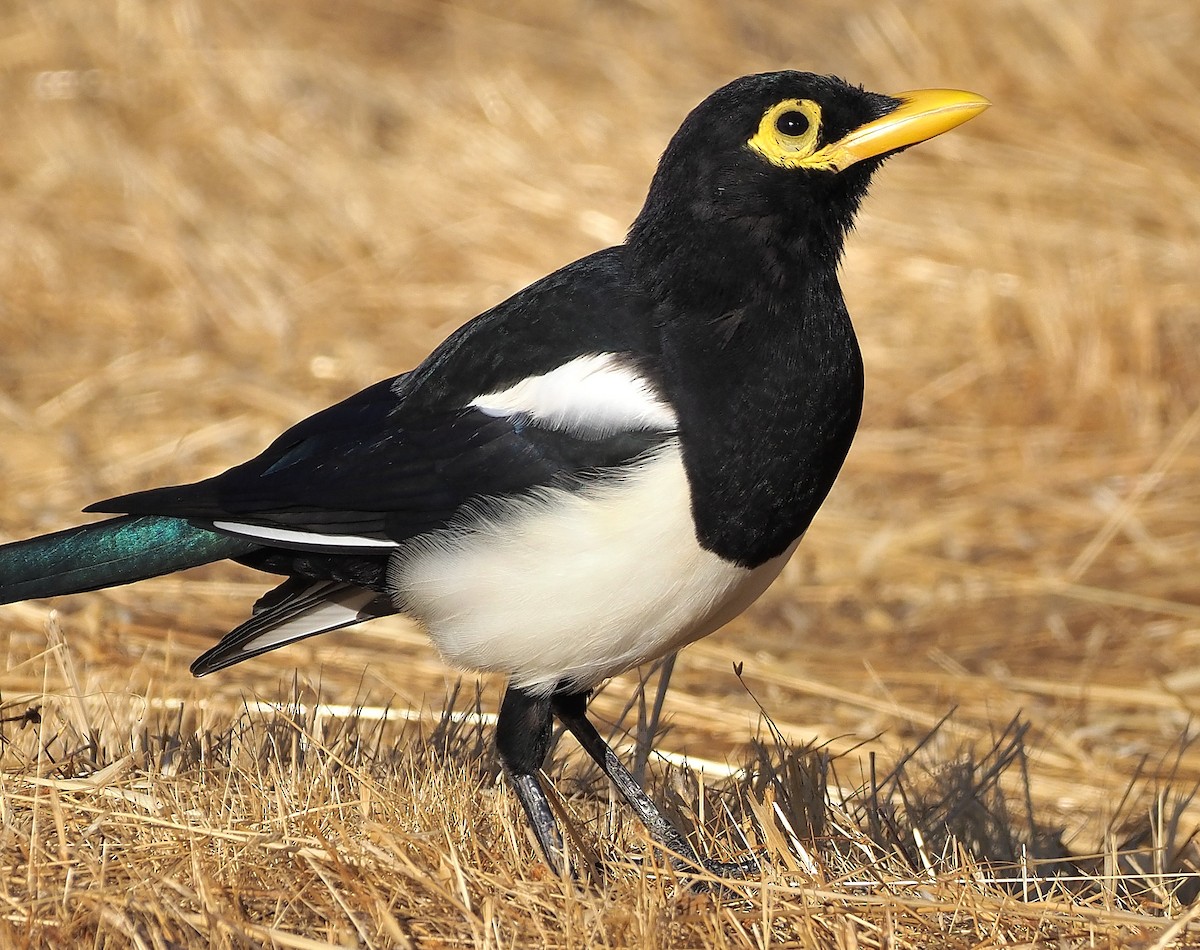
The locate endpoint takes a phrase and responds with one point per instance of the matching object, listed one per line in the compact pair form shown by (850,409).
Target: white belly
(576,586)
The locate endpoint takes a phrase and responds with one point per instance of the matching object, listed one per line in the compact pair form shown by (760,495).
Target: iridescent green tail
(109,553)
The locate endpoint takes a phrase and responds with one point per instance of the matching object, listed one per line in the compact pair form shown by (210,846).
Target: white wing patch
(595,395)
(306,540)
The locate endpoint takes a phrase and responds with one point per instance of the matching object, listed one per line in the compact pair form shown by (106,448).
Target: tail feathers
(109,553)
(296,609)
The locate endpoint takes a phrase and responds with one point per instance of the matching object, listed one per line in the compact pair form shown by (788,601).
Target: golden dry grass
(220,217)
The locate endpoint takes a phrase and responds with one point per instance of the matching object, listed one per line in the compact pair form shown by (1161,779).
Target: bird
(608,465)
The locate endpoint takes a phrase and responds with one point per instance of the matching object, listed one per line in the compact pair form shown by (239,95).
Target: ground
(962,717)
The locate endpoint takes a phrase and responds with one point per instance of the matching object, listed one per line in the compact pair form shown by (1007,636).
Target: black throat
(761,363)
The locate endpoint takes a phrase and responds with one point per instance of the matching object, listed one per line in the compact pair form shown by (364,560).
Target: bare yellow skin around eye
(789,151)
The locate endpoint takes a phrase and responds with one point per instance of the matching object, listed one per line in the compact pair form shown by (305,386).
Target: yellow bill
(922,114)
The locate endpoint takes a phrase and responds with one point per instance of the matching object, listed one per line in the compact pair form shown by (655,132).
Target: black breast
(767,411)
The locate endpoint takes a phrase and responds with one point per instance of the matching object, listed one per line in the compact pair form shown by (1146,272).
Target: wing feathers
(295,610)
(304,540)
(378,469)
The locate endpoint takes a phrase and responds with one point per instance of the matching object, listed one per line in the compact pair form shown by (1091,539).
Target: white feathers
(305,540)
(576,586)
(595,395)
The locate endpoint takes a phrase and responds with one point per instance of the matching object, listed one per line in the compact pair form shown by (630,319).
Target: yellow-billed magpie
(601,469)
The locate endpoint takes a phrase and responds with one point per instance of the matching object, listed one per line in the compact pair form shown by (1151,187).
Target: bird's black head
(771,168)
(745,155)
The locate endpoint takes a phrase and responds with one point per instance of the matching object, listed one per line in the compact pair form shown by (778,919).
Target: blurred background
(216,218)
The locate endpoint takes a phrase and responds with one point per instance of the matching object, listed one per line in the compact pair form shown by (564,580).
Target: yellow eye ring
(788,132)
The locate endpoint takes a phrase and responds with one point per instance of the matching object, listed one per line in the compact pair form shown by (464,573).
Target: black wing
(369,468)
(297,609)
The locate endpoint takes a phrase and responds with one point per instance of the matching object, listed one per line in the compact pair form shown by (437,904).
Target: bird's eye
(792,123)
(788,133)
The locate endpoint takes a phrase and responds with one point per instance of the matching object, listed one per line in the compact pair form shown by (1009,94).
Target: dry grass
(220,217)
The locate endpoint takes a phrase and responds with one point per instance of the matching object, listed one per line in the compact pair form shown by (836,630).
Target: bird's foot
(747,867)
(709,867)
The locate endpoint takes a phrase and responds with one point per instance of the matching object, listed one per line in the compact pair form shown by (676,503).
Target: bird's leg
(571,709)
(523,731)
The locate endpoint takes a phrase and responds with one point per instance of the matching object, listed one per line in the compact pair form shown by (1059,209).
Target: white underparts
(575,586)
(594,395)
(560,585)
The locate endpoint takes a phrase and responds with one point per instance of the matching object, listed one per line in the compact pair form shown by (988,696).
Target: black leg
(523,731)
(571,708)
